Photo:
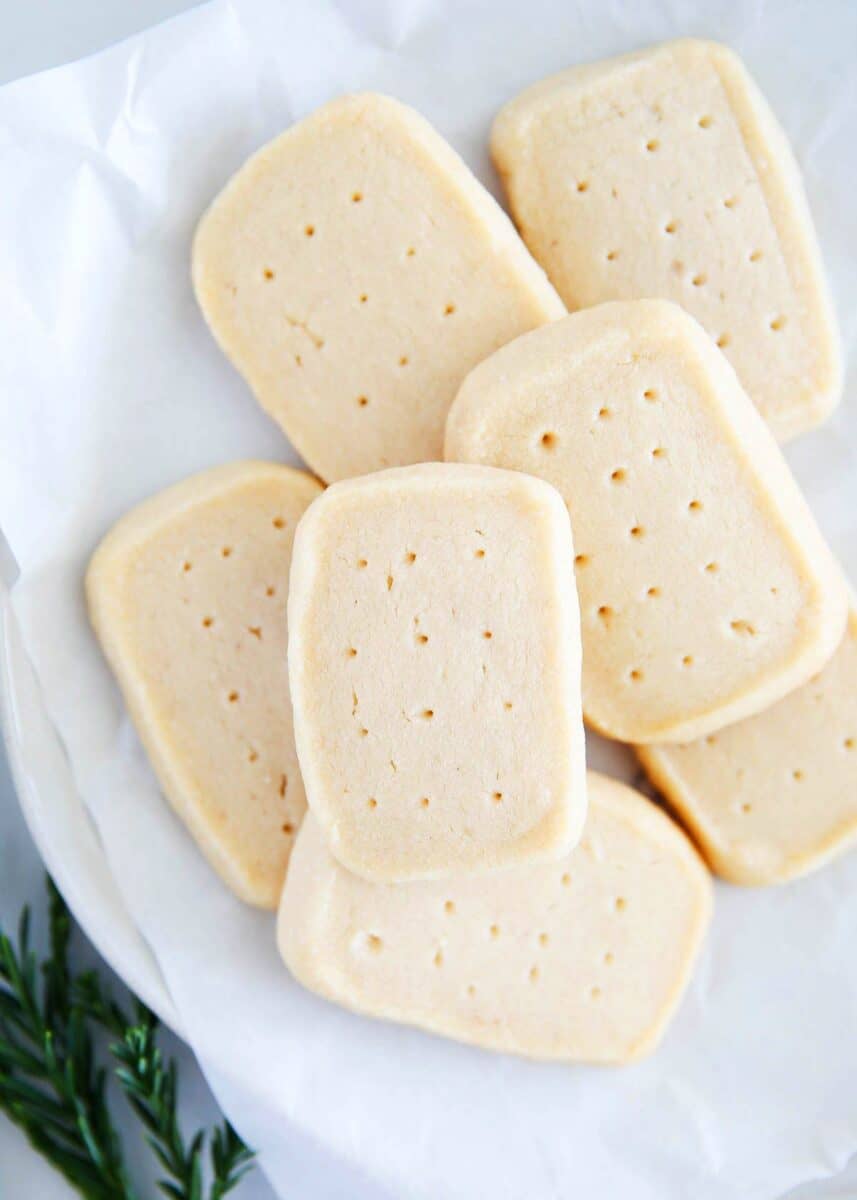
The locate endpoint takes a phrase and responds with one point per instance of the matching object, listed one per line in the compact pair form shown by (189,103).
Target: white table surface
(38,34)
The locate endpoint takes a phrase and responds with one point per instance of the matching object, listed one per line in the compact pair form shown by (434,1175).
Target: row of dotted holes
(775,324)
(376,944)
(549,440)
(711,568)
(797,774)
(226,551)
(425,801)
(636,675)
(255,630)
(403,361)
(287,827)
(410,558)
(428,714)
(449,309)
(638,532)
(620,905)
(422,639)
(651,146)
(234,696)
(746,807)
(269,274)
(363,400)
(704,122)
(605,613)
(673,225)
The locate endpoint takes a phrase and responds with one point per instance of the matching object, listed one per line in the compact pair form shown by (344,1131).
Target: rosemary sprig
(152,1088)
(53,1086)
(50,1083)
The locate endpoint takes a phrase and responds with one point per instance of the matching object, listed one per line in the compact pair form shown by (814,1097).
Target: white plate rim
(64,833)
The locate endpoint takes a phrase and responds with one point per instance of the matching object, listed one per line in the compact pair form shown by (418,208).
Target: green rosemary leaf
(54,1087)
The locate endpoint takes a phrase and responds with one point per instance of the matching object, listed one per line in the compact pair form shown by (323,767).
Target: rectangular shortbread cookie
(434,662)
(354,271)
(665,173)
(775,796)
(706,590)
(583,959)
(188,595)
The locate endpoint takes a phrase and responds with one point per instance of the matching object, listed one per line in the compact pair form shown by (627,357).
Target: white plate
(62,829)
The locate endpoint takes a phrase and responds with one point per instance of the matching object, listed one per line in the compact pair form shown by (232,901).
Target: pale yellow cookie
(775,796)
(188,595)
(665,173)
(706,590)
(434,662)
(583,959)
(354,271)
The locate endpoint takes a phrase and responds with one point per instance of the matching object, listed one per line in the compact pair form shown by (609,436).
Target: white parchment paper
(111,388)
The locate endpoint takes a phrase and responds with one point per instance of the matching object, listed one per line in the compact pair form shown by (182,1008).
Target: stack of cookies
(555,497)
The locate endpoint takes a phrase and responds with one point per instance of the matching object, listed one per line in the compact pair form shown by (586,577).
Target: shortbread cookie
(665,173)
(775,796)
(354,271)
(583,959)
(188,597)
(706,590)
(434,661)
